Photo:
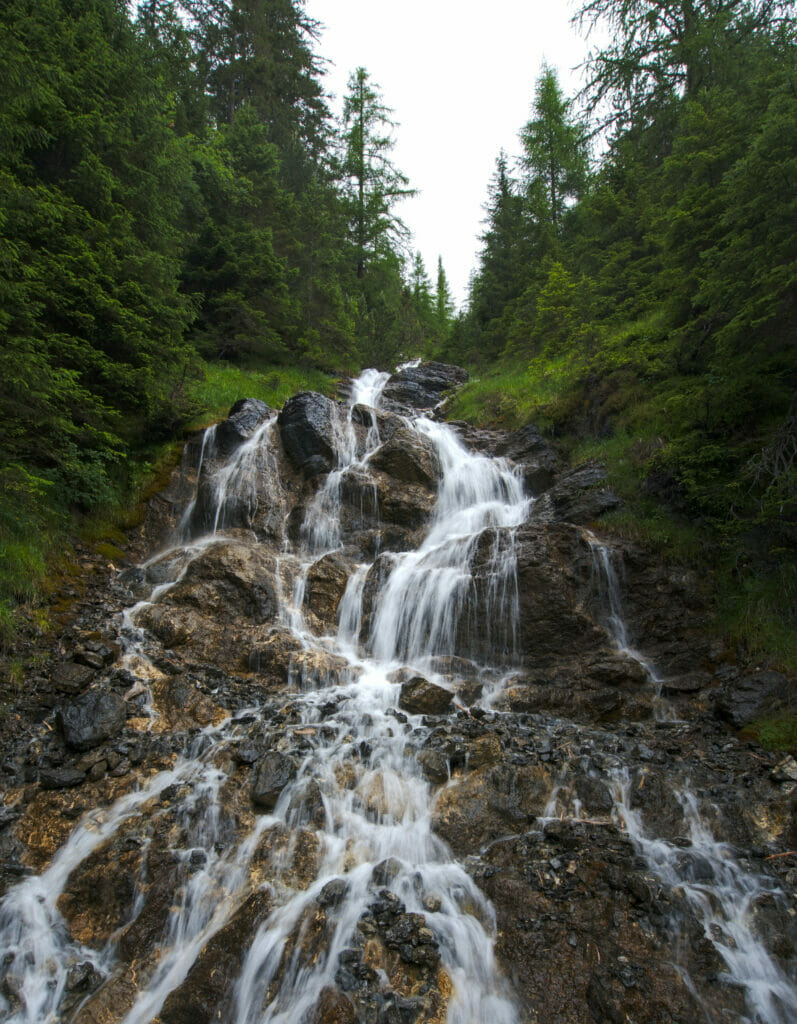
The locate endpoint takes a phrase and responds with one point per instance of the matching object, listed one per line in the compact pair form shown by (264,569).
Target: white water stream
(358,763)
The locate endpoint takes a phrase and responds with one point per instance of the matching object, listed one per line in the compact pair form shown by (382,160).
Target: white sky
(460,80)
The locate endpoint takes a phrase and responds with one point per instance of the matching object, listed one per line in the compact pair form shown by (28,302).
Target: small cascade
(428,590)
(321,527)
(723,896)
(610,600)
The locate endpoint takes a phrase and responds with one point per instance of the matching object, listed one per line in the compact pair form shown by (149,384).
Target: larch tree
(554,151)
(372,183)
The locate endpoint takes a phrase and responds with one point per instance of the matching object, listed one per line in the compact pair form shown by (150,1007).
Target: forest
(181,214)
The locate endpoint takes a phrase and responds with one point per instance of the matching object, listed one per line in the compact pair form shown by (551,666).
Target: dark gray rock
(60,778)
(306,425)
(274,772)
(242,421)
(743,700)
(69,677)
(423,386)
(577,497)
(91,719)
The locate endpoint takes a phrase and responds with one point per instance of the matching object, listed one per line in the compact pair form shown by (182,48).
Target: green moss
(777,732)
(109,551)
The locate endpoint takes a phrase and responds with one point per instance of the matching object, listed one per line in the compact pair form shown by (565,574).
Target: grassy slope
(618,413)
(35,545)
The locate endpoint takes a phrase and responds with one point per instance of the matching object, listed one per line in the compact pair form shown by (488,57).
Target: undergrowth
(37,532)
(687,480)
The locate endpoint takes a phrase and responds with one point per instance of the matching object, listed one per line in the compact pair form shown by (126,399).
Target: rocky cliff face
(381,730)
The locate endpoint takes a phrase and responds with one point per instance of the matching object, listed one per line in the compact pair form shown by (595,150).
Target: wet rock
(484,751)
(274,772)
(150,925)
(91,719)
(693,682)
(69,677)
(423,386)
(234,578)
(415,942)
(333,893)
(554,572)
(409,457)
(490,803)
(594,795)
(242,421)
(274,657)
(785,770)
(420,697)
(307,424)
(577,497)
(91,659)
(334,1007)
(385,872)
(60,778)
(538,461)
(325,586)
(434,765)
(307,805)
(207,993)
(743,700)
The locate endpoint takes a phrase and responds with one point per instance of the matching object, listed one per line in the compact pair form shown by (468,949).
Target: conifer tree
(372,184)
(554,152)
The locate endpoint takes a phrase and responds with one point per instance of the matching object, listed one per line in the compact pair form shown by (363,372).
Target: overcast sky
(460,80)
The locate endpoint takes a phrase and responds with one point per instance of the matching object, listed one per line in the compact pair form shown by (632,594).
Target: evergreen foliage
(648,309)
(171,189)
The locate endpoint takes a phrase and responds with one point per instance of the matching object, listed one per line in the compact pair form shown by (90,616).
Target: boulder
(422,386)
(229,581)
(307,425)
(60,778)
(420,697)
(577,497)
(742,700)
(94,717)
(325,586)
(69,677)
(408,456)
(274,772)
(242,421)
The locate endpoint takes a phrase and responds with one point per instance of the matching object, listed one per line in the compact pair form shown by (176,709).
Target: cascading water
(331,829)
(722,895)
(376,824)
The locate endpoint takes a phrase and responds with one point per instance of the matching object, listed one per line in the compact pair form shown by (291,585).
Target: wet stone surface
(506,818)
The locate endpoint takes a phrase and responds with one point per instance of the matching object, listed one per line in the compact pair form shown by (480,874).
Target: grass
(515,394)
(777,732)
(36,538)
(224,383)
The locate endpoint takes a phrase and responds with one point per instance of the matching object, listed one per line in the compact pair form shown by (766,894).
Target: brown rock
(490,803)
(420,697)
(207,992)
(333,1008)
(324,588)
(409,457)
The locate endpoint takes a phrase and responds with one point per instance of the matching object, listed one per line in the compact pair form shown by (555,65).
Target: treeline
(641,302)
(173,188)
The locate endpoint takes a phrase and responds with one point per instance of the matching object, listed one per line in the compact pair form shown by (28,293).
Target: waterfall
(314,797)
